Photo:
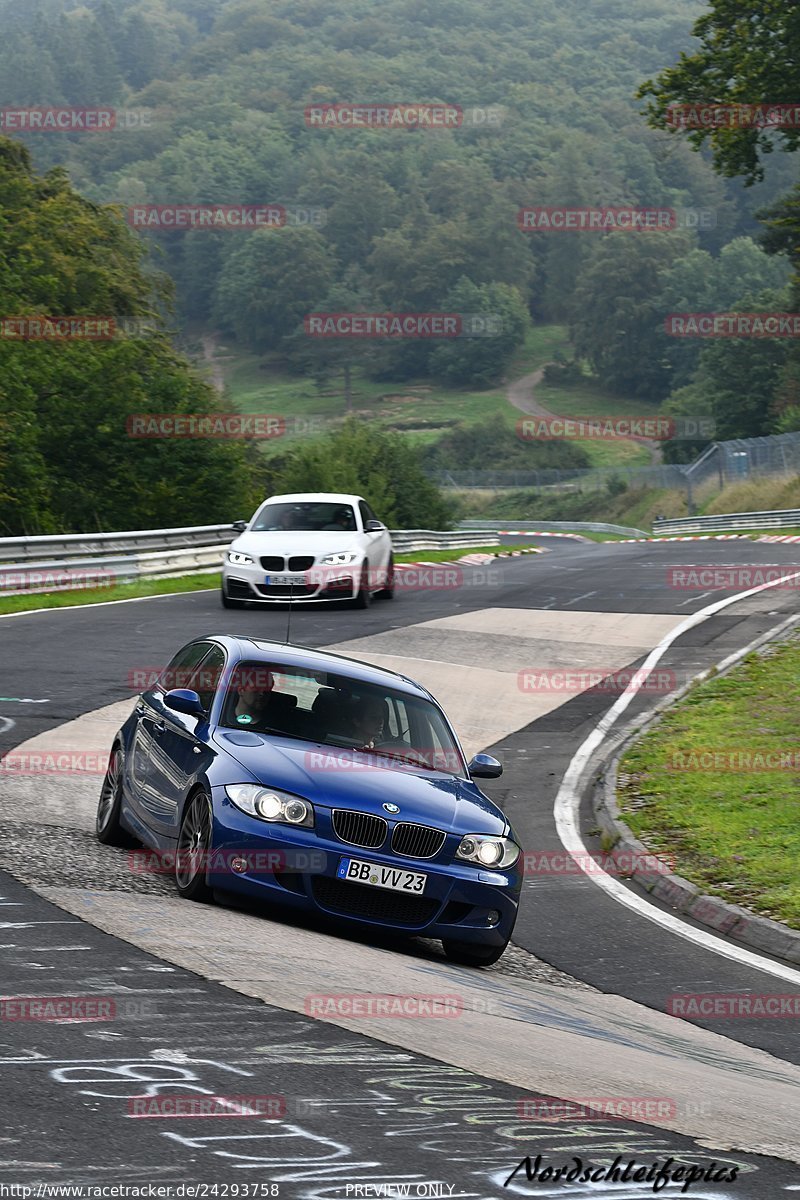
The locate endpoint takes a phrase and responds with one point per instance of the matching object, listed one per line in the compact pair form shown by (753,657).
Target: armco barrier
(555,526)
(786,518)
(63,562)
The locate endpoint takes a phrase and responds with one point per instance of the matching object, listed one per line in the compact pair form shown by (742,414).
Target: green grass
(421,410)
(586,398)
(735,833)
(184,583)
(121,591)
(542,344)
(452,555)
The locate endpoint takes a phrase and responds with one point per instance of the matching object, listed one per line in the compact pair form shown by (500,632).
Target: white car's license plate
(286,580)
(395,879)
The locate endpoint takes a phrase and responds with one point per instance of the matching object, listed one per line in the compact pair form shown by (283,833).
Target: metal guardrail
(556,526)
(59,546)
(50,563)
(786,518)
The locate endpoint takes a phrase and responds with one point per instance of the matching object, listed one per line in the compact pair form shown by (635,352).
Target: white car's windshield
(335,710)
(313,515)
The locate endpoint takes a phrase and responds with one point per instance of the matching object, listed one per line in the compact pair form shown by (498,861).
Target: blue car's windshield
(335,710)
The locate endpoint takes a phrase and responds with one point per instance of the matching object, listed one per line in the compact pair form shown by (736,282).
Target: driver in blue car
(369,719)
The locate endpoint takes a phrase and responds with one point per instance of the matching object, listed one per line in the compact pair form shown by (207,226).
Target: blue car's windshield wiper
(405,758)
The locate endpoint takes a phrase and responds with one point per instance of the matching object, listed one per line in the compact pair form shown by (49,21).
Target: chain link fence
(720,464)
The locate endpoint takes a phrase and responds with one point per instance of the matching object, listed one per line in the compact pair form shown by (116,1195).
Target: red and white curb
(689,537)
(577,537)
(787,537)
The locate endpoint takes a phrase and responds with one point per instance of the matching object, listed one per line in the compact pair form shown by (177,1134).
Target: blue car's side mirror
(483,766)
(184,700)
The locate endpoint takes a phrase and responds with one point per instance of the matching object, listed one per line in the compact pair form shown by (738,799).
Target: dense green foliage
(381,467)
(65,460)
(411,220)
(419,220)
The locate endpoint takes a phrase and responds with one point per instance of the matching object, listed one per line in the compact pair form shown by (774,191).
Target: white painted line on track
(694,599)
(567,806)
(29,612)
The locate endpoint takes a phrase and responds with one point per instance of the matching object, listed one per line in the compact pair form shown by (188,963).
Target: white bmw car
(309,546)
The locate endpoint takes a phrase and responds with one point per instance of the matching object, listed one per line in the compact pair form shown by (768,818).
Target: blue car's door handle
(159,727)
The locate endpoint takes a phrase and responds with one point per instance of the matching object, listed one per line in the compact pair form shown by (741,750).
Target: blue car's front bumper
(298,867)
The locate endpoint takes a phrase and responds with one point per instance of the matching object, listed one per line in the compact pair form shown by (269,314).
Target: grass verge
(101,595)
(699,785)
(184,583)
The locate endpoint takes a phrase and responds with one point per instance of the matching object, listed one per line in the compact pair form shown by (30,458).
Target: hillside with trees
(423,220)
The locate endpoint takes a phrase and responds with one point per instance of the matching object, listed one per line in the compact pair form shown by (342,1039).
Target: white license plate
(395,879)
(286,580)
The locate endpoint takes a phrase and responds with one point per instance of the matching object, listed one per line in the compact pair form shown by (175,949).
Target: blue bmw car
(319,782)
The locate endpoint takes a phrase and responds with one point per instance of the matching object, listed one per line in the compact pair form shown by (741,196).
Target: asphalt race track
(589,976)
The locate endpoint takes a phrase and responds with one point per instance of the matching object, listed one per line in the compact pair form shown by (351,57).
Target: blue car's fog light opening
(488,851)
(270,805)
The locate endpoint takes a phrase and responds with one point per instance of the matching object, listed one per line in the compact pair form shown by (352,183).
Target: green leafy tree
(67,459)
(747,55)
(271,283)
(481,360)
(384,468)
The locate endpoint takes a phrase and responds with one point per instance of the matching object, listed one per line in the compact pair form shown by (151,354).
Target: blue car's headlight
(270,805)
(488,851)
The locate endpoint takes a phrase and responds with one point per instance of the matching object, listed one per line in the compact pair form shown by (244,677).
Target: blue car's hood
(336,778)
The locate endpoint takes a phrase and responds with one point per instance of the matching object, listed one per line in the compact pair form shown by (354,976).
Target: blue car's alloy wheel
(107,823)
(194,844)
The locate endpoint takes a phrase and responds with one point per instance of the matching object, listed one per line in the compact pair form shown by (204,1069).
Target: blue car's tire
(468,954)
(108,828)
(194,846)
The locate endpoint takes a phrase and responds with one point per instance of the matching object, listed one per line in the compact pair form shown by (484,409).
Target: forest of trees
(412,220)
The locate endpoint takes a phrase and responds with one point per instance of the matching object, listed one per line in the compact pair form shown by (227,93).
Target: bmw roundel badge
(391,808)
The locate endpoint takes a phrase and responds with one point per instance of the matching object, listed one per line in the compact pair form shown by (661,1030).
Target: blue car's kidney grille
(359,829)
(417,841)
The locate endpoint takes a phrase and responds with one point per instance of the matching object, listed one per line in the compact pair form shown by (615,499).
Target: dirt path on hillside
(209,341)
(522,395)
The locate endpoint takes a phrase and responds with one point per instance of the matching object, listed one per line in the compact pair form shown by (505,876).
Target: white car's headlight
(270,805)
(488,851)
(340,560)
(239,559)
